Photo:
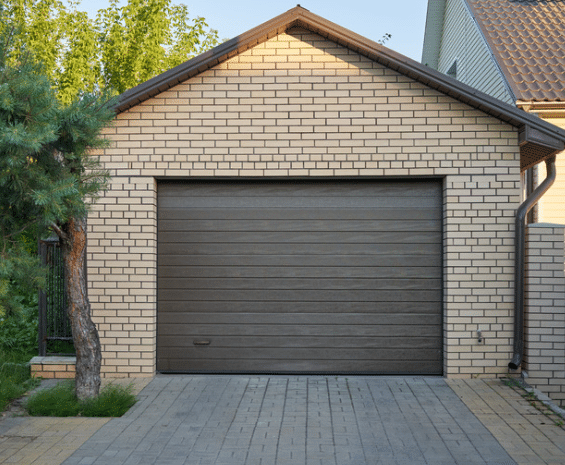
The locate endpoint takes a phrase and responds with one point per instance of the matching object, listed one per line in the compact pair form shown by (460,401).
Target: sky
(405,20)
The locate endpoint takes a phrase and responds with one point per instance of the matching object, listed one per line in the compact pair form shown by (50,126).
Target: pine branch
(62,235)
(19,231)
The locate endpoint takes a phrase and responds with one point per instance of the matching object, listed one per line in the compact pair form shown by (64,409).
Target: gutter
(520,245)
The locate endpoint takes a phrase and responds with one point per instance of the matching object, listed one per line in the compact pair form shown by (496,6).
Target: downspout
(520,246)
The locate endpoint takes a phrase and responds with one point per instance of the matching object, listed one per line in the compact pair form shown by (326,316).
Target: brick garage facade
(300,105)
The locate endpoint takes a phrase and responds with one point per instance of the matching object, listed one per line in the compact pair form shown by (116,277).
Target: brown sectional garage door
(300,277)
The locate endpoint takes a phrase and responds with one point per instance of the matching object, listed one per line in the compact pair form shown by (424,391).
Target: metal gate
(55,335)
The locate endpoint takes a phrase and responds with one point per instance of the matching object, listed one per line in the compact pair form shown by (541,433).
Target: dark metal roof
(527,39)
(548,136)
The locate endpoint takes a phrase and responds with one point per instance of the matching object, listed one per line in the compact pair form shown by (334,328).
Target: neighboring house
(302,199)
(513,50)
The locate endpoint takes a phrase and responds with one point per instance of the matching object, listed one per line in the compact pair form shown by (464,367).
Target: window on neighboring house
(452,71)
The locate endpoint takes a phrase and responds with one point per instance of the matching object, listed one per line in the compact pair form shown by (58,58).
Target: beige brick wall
(122,252)
(544,359)
(301,106)
(53,367)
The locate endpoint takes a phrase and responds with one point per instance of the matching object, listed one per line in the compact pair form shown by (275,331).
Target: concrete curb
(543,398)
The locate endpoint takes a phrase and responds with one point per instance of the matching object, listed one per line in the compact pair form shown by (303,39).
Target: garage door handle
(201,343)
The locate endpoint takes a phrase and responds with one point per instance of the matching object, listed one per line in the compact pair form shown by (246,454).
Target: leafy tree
(124,46)
(63,40)
(47,176)
(145,38)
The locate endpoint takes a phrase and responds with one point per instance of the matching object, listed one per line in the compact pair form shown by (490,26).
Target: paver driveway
(236,420)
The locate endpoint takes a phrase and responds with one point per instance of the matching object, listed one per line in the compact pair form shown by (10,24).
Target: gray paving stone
(287,420)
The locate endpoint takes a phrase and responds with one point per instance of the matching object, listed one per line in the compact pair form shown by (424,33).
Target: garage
(300,277)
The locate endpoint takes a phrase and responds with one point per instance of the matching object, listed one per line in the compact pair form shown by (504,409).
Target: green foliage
(15,377)
(510,382)
(28,240)
(145,38)
(47,170)
(28,110)
(20,276)
(60,401)
(124,46)
(11,387)
(60,37)
(78,71)
(18,332)
(113,401)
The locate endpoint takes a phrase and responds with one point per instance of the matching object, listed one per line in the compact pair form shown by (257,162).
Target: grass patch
(18,344)
(61,401)
(58,401)
(113,401)
(15,377)
(530,396)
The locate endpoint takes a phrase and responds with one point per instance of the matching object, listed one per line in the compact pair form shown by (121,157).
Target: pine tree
(47,179)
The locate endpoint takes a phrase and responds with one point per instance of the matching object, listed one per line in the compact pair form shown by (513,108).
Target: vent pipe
(520,246)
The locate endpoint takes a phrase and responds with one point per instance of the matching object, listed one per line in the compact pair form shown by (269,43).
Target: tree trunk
(85,334)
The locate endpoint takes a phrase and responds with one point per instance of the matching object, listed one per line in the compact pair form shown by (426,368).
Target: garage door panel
(336,342)
(234,365)
(312,296)
(292,330)
(318,202)
(292,225)
(298,262)
(279,318)
(175,284)
(335,238)
(280,272)
(313,214)
(296,354)
(314,276)
(245,306)
(200,248)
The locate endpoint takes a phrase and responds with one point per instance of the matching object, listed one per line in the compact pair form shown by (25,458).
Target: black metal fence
(55,336)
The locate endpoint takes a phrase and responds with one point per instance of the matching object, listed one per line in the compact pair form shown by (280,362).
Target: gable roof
(538,139)
(526,38)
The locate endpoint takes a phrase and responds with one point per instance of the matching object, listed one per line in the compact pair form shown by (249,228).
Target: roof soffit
(300,17)
(536,146)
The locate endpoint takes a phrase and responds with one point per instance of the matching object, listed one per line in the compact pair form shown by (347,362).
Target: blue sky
(404,19)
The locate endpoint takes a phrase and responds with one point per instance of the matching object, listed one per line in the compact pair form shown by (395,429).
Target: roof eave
(536,146)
